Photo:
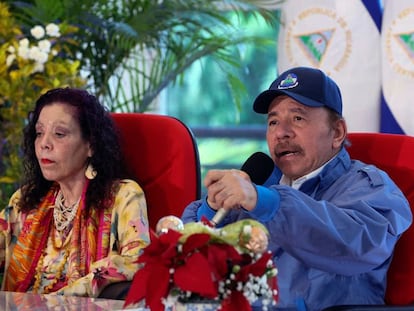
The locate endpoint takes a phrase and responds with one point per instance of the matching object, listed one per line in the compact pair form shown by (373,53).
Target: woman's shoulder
(129,185)
(128,191)
(13,204)
(15,198)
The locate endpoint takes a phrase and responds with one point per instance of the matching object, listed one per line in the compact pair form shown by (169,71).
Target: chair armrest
(118,290)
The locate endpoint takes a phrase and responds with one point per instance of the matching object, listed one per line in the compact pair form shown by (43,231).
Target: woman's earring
(90,172)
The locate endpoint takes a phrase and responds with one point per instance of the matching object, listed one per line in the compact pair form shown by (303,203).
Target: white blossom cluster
(38,53)
(256,288)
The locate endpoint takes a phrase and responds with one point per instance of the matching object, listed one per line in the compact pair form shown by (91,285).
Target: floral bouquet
(197,262)
(32,61)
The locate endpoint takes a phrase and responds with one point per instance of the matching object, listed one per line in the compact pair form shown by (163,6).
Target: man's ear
(340,132)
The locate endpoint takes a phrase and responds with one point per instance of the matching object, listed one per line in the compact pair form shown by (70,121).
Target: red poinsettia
(201,265)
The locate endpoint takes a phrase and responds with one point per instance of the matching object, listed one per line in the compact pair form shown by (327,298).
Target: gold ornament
(90,172)
(169,222)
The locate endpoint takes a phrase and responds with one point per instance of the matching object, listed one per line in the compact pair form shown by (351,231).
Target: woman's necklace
(63,215)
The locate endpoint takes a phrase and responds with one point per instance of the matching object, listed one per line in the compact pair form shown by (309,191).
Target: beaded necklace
(63,215)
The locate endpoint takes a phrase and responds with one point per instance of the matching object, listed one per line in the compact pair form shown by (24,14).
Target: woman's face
(60,149)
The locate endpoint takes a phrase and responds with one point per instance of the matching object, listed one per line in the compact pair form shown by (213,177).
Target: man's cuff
(268,203)
(205,210)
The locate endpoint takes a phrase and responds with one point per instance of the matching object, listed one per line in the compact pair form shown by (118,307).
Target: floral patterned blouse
(58,266)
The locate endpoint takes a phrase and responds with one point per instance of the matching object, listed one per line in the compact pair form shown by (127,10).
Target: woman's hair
(97,128)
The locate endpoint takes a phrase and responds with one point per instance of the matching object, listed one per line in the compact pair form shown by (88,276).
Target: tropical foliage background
(125,51)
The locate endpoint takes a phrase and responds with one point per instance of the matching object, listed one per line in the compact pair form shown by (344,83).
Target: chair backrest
(162,156)
(395,155)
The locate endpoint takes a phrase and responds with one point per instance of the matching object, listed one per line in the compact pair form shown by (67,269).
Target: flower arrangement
(230,266)
(30,64)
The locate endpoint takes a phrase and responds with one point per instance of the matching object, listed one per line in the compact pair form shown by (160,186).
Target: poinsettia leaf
(195,241)
(232,254)
(154,247)
(217,256)
(138,288)
(273,285)
(195,276)
(162,248)
(170,237)
(259,267)
(158,286)
(236,302)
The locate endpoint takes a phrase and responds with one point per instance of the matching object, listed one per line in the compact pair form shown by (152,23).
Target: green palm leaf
(132,49)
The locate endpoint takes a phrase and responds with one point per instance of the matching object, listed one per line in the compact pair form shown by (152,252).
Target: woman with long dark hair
(75,225)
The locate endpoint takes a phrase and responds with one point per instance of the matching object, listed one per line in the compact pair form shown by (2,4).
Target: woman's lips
(46,161)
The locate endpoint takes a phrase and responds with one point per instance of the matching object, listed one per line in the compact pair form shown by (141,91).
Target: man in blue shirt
(333,222)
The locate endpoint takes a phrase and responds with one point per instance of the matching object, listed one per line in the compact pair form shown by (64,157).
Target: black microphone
(259,166)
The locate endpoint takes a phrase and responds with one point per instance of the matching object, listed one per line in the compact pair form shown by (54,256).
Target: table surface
(11,301)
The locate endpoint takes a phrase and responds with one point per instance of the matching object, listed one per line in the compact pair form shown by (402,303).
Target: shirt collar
(295,184)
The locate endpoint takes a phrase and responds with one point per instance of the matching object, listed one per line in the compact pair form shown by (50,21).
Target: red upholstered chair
(162,156)
(395,155)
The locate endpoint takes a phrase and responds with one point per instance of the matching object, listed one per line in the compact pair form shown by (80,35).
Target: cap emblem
(289,82)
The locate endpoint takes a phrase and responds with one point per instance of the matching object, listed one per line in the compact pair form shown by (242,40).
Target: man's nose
(283,130)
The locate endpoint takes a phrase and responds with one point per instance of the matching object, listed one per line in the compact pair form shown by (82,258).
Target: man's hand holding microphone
(227,189)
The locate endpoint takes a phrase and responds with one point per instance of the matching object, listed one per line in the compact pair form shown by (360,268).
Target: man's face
(301,138)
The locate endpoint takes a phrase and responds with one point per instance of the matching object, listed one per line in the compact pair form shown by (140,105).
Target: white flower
(38,32)
(38,55)
(23,51)
(24,43)
(10,59)
(38,68)
(44,45)
(52,30)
